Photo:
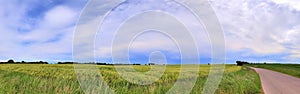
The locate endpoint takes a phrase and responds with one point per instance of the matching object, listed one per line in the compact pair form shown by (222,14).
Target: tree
(151,64)
(241,63)
(10,61)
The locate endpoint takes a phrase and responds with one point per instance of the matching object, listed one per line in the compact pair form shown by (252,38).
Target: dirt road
(278,83)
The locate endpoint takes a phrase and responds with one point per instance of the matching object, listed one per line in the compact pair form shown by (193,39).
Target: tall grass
(245,81)
(62,79)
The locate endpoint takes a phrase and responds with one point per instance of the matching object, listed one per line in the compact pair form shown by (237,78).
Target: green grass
(245,81)
(290,69)
(62,79)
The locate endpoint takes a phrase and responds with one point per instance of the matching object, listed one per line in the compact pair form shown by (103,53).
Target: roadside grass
(26,78)
(245,81)
(290,69)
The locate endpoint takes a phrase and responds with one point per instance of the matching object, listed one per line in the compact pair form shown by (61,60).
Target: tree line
(241,63)
(23,62)
(43,62)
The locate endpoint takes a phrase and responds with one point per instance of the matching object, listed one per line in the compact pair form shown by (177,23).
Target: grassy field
(62,79)
(290,69)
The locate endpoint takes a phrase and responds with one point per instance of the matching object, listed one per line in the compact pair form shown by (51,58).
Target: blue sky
(255,30)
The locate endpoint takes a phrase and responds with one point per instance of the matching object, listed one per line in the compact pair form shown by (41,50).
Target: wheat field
(56,78)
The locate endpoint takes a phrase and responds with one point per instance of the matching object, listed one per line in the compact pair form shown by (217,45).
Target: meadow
(290,69)
(56,78)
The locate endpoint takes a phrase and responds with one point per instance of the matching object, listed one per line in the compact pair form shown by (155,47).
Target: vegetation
(46,78)
(241,63)
(245,81)
(23,62)
(290,69)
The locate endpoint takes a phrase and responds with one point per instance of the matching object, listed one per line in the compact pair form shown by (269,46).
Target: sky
(254,30)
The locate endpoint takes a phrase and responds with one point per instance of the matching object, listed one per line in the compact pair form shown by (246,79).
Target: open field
(26,78)
(290,69)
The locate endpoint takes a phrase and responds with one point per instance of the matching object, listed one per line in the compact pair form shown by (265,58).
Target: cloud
(262,30)
(60,16)
(258,28)
(292,4)
(28,33)
(53,34)
(52,25)
(149,42)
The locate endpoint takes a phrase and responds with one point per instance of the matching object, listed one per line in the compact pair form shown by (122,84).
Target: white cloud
(49,38)
(53,34)
(152,41)
(10,17)
(252,27)
(60,16)
(292,4)
(54,23)
(258,27)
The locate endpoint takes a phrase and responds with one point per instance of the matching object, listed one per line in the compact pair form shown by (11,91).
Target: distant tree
(136,64)
(42,62)
(101,63)
(23,62)
(69,63)
(151,63)
(10,61)
(241,63)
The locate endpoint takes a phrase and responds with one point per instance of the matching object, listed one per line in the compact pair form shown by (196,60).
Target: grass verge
(290,69)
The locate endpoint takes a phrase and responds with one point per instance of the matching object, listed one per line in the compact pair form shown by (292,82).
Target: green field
(26,78)
(290,69)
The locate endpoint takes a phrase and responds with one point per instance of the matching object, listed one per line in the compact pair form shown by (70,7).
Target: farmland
(290,69)
(43,78)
